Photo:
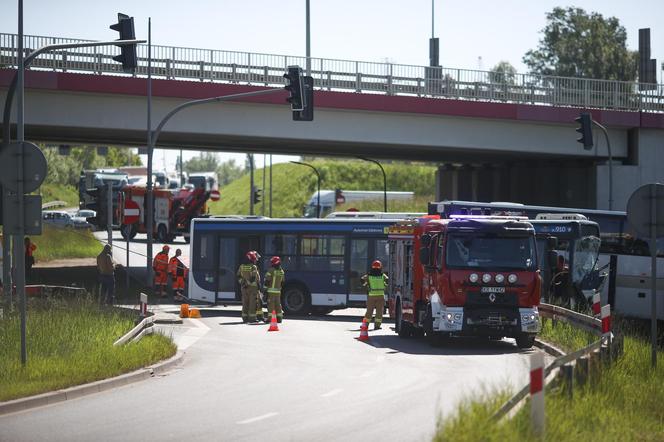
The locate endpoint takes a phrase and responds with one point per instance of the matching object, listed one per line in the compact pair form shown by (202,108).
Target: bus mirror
(552,242)
(425,240)
(552,258)
(424,256)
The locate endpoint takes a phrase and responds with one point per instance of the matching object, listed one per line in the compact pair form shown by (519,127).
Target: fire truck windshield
(490,252)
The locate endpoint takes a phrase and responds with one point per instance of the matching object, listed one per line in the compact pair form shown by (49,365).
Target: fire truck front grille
(490,299)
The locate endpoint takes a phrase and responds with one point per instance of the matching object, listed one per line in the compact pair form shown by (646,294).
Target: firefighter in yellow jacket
(249,280)
(274,282)
(376,281)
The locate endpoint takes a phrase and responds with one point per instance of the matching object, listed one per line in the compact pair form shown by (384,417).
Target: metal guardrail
(52,204)
(345,75)
(580,320)
(137,332)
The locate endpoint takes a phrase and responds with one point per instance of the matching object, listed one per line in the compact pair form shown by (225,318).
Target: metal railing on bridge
(342,75)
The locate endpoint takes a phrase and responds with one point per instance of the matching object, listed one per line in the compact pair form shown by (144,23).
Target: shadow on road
(452,347)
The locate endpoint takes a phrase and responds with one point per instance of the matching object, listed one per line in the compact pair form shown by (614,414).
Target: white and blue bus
(628,255)
(324,259)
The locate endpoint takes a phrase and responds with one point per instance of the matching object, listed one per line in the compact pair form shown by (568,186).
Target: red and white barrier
(596,304)
(606,319)
(537,392)
(144,305)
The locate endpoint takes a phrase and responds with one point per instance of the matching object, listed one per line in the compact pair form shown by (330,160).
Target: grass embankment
(58,192)
(64,243)
(624,404)
(293,185)
(417,204)
(71,343)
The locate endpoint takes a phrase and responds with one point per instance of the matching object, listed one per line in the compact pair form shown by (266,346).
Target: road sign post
(130,215)
(645,212)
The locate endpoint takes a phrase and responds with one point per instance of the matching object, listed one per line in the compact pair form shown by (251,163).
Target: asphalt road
(312,380)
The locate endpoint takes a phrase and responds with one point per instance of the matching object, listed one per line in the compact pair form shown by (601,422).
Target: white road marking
(257,418)
(192,335)
(332,393)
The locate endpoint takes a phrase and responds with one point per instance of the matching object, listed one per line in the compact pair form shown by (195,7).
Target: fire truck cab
(472,276)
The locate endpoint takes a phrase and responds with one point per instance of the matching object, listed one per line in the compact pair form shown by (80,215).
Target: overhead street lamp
(384,180)
(318,177)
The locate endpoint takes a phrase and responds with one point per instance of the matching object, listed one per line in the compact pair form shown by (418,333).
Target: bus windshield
(490,252)
(586,252)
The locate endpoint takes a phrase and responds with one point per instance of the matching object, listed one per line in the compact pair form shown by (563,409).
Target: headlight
(449,316)
(474,277)
(486,278)
(500,278)
(512,278)
(528,318)
(457,316)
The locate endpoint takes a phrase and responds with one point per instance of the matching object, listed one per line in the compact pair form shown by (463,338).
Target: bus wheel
(295,300)
(402,328)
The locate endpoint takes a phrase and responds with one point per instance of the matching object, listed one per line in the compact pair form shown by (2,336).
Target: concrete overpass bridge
(495,138)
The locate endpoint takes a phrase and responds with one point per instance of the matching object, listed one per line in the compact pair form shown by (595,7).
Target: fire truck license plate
(493,289)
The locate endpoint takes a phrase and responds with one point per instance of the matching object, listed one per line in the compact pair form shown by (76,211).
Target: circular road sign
(130,213)
(640,207)
(215,195)
(34,167)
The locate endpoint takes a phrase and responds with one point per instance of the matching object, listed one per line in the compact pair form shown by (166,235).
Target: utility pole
(251,183)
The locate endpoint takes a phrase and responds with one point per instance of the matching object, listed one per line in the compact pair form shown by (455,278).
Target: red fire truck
(173,210)
(473,276)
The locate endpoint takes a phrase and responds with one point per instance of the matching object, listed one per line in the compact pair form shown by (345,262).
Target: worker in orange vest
(160,266)
(178,272)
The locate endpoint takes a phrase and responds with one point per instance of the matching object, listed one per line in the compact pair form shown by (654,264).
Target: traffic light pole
(153,136)
(19,246)
(251,183)
(109,214)
(608,146)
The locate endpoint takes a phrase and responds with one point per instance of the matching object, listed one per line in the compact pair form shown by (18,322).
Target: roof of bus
(295,224)
(542,209)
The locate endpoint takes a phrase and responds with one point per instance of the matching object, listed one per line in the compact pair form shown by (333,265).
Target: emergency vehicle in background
(173,210)
(472,276)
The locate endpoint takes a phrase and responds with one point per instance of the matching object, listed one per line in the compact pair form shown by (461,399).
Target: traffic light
(125,26)
(295,87)
(98,203)
(585,129)
(306,114)
(257,195)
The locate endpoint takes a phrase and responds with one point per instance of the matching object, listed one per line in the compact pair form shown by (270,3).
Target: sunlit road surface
(312,380)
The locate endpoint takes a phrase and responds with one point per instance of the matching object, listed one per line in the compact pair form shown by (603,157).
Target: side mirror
(424,256)
(551,242)
(425,240)
(552,258)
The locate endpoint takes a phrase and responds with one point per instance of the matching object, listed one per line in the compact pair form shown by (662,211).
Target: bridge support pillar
(446,183)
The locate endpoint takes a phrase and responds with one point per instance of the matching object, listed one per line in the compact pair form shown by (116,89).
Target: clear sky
(474,34)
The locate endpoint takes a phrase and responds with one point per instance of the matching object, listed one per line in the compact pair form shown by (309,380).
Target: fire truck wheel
(403,329)
(525,341)
(162,234)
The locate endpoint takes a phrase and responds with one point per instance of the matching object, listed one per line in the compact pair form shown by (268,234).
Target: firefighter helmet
(165,248)
(275,261)
(252,256)
(376,265)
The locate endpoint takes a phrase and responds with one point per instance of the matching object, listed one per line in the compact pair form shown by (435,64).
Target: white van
(329,199)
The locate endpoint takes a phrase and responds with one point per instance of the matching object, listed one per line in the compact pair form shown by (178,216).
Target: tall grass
(71,343)
(624,404)
(64,243)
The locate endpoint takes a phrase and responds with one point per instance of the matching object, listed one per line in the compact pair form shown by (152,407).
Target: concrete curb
(91,388)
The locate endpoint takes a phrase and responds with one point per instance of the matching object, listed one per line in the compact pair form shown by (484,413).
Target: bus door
(359,264)
(247,243)
(226,268)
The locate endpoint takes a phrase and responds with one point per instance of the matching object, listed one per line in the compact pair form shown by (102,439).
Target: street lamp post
(384,181)
(318,185)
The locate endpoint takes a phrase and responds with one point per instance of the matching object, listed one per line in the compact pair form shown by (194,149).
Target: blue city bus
(324,259)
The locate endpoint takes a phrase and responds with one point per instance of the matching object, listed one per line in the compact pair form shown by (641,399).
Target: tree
(204,162)
(577,44)
(229,171)
(503,72)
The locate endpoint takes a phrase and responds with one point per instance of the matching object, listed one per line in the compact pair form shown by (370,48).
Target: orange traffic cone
(273,322)
(184,310)
(364,330)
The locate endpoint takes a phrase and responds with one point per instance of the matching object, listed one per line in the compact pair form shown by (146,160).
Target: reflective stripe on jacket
(276,278)
(177,267)
(377,285)
(248,273)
